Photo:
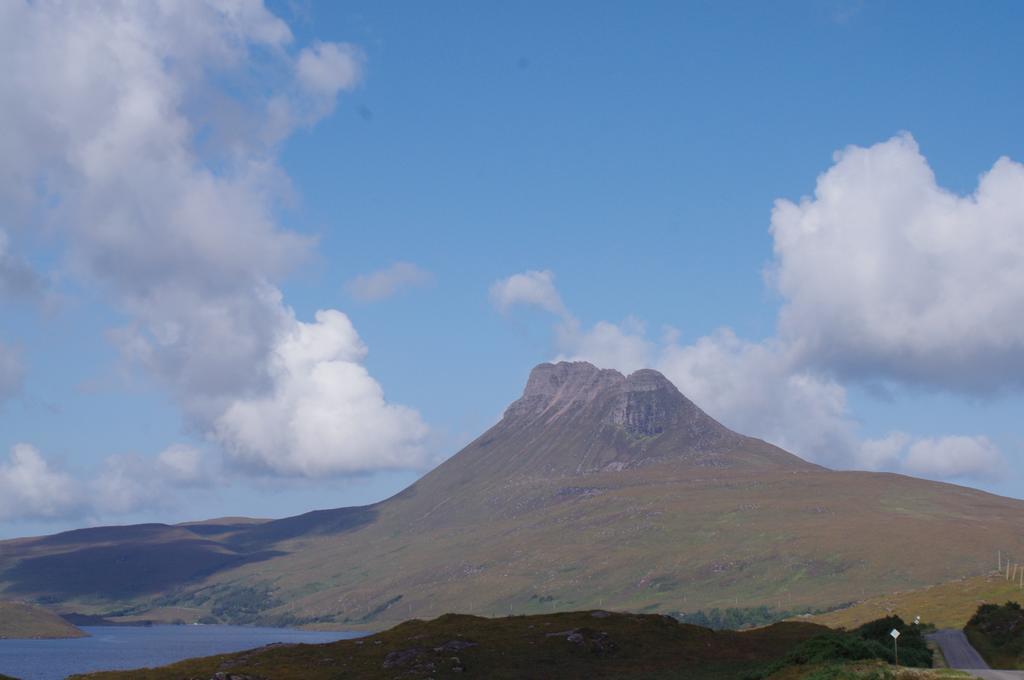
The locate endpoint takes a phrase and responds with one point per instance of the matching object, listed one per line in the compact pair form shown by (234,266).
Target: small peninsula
(27,621)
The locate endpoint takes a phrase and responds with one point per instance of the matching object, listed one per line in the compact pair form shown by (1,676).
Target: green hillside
(21,620)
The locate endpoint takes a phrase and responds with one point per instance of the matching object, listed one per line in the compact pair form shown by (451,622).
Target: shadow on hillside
(125,570)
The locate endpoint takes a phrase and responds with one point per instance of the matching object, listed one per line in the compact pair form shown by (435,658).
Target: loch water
(124,647)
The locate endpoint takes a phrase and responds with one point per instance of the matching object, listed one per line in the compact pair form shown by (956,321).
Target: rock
(455,646)
(402,657)
(598,643)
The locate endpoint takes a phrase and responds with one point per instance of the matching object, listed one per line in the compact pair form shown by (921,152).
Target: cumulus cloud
(128,483)
(885,274)
(30,487)
(623,346)
(329,68)
(958,456)
(325,414)
(182,464)
(387,282)
(147,135)
(529,288)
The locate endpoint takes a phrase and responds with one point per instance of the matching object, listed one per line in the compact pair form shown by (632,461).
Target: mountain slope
(594,490)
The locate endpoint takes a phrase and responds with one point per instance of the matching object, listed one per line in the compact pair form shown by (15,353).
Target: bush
(837,647)
(1001,625)
(868,642)
(912,644)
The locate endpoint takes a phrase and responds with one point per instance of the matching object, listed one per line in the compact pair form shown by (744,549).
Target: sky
(258,259)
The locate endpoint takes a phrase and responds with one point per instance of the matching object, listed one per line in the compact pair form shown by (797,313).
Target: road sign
(895,633)
(895,646)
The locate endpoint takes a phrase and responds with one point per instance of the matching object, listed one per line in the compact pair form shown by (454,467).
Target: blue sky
(623,162)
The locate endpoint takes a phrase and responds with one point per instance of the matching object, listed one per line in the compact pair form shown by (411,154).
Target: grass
(947,605)
(25,621)
(564,645)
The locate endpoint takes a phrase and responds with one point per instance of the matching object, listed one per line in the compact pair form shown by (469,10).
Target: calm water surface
(111,648)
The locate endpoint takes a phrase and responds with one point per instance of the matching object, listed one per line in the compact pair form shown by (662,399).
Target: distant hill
(26,621)
(595,490)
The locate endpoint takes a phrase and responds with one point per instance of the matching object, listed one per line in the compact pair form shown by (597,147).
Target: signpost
(895,645)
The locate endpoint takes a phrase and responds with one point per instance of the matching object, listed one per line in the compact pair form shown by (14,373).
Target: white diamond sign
(895,633)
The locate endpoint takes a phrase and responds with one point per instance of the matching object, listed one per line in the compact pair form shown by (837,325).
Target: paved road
(960,654)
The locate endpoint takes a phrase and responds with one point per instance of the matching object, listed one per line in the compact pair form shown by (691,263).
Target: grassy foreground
(563,645)
(866,671)
(26,621)
(947,605)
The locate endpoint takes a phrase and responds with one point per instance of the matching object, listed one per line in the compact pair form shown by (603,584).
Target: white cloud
(389,281)
(957,456)
(885,274)
(147,134)
(12,372)
(885,452)
(621,346)
(182,464)
(29,487)
(325,414)
(128,483)
(530,288)
(328,68)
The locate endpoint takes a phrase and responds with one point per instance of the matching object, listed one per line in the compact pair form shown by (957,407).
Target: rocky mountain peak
(575,418)
(566,382)
(644,403)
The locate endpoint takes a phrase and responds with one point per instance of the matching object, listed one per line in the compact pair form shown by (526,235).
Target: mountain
(594,490)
